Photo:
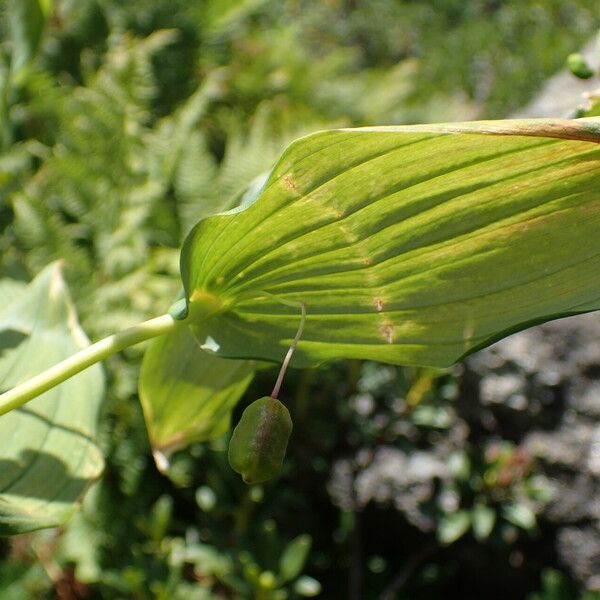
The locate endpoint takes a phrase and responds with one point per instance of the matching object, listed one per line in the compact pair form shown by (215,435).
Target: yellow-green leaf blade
(48,453)
(410,245)
(187,394)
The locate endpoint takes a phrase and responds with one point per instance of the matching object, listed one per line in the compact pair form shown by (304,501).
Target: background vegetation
(130,122)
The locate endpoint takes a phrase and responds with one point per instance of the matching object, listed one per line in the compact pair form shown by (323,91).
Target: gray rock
(405,481)
(555,367)
(580,551)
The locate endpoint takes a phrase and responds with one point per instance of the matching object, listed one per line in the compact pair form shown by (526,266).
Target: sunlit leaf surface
(48,453)
(411,245)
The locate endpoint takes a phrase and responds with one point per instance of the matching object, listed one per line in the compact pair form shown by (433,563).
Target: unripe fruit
(259,441)
(579,66)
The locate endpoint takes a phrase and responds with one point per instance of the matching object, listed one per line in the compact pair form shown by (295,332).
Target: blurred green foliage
(556,587)
(121,125)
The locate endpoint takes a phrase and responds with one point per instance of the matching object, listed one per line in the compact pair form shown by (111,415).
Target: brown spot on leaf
(387,331)
(378,302)
(289,183)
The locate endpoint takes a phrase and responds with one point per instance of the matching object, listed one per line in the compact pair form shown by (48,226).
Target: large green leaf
(48,456)
(187,394)
(411,245)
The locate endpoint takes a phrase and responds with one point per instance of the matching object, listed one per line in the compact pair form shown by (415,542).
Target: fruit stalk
(290,353)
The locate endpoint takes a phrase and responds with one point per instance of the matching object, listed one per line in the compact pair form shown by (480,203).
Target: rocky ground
(543,385)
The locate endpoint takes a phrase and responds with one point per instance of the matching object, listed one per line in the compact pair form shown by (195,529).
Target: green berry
(579,66)
(259,441)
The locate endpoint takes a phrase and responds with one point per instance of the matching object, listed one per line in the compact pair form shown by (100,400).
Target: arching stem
(290,352)
(30,389)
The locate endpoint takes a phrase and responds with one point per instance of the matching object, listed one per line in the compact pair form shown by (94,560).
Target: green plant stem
(30,389)
(5,130)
